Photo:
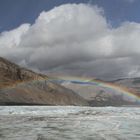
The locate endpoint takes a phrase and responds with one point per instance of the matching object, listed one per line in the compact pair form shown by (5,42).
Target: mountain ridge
(22,86)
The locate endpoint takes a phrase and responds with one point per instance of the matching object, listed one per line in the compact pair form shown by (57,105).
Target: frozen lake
(69,123)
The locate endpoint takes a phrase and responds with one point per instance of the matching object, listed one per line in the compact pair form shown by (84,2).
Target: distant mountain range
(20,86)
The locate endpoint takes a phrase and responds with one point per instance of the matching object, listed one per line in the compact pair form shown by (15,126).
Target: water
(69,123)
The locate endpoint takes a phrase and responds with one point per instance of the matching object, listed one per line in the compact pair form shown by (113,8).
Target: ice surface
(69,123)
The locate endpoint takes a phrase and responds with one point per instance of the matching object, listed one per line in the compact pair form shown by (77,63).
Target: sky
(93,38)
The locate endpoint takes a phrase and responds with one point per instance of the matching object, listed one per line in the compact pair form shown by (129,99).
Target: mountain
(20,86)
(101,93)
(11,74)
(133,84)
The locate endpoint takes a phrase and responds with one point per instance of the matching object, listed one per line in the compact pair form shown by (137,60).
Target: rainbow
(123,90)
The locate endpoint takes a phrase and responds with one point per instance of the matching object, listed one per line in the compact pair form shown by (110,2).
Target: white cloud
(10,39)
(71,37)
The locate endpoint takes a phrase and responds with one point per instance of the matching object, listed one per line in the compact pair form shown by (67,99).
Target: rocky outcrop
(19,86)
(11,73)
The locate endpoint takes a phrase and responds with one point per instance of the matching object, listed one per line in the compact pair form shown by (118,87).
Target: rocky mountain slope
(11,73)
(133,84)
(19,86)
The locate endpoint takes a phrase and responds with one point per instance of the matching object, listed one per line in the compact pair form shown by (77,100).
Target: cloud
(75,39)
